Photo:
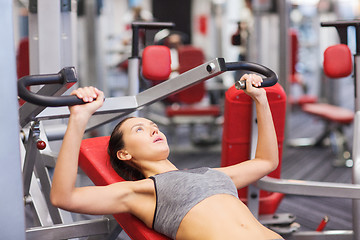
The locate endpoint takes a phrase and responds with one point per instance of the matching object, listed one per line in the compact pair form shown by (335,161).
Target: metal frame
(52,35)
(53,223)
(117,107)
(104,226)
(356,173)
(12,216)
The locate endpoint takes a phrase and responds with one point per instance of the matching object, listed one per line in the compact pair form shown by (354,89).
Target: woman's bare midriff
(222,217)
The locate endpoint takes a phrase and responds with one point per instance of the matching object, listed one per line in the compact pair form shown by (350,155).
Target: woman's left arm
(266,156)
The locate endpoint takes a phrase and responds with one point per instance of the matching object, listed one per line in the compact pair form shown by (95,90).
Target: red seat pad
(156,63)
(212,110)
(94,161)
(329,112)
(337,61)
(302,100)
(307,99)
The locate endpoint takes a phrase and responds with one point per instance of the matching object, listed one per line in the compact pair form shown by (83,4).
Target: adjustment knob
(41,145)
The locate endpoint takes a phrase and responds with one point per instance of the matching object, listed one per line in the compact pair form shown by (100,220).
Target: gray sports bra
(179,191)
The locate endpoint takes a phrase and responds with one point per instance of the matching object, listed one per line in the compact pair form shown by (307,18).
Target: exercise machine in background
(326,189)
(337,65)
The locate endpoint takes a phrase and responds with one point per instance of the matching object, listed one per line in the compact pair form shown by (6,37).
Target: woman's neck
(150,168)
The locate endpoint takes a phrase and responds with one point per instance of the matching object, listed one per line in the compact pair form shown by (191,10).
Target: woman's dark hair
(122,168)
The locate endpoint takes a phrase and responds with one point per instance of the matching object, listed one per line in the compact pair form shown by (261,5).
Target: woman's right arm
(64,194)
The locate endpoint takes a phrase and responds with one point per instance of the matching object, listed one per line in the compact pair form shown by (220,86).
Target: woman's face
(143,140)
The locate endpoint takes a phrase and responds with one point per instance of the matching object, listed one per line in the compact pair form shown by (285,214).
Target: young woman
(193,204)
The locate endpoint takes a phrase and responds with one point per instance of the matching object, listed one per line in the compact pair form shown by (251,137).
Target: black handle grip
(153,25)
(65,76)
(270,80)
(341,23)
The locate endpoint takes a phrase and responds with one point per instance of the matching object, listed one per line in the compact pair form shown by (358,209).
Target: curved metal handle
(66,75)
(270,80)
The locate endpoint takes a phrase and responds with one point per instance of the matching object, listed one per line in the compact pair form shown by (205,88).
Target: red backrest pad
(156,63)
(294,49)
(236,140)
(23,61)
(337,61)
(22,58)
(94,161)
(190,57)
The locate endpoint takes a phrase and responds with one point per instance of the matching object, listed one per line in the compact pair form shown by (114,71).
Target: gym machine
(128,104)
(134,60)
(119,105)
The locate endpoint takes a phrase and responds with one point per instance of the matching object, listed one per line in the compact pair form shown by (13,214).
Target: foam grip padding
(337,61)
(94,161)
(236,141)
(156,63)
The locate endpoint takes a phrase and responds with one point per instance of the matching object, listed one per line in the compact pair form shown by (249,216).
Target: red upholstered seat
(330,112)
(306,99)
(302,100)
(94,161)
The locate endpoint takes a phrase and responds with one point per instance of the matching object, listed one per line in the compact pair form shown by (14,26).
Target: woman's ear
(123,155)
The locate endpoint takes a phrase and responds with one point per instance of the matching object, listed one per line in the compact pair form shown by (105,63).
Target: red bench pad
(330,112)
(94,161)
(302,100)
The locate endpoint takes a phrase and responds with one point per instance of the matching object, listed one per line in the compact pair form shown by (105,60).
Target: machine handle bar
(153,25)
(136,26)
(342,29)
(68,75)
(341,23)
(270,80)
(65,76)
